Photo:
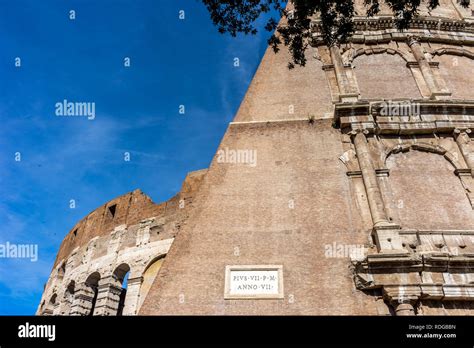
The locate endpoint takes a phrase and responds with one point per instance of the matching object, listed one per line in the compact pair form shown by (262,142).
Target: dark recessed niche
(112,210)
(75,232)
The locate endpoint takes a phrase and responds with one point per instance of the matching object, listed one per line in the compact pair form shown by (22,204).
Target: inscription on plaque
(254,281)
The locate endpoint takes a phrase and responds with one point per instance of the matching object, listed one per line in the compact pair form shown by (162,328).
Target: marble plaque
(254,282)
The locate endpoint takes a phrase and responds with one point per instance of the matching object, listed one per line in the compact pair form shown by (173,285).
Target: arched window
(50,306)
(68,298)
(71,287)
(121,276)
(149,275)
(92,283)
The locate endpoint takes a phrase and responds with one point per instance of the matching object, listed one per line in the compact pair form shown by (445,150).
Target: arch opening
(149,276)
(49,307)
(121,275)
(92,284)
(69,297)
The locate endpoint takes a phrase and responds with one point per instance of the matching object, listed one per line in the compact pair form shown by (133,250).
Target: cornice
(378,30)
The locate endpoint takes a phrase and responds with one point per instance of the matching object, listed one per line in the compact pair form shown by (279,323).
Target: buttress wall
(288,209)
(368,148)
(357,149)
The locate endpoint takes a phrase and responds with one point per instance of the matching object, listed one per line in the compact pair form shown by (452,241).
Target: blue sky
(173,62)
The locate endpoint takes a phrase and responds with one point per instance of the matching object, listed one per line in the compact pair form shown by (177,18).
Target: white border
(229,268)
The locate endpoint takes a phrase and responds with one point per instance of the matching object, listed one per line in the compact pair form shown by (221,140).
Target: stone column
(404,309)
(143,233)
(463,140)
(347,91)
(424,65)
(385,232)
(108,297)
(133,296)
(65,305)
(83,298)
(402,296)
(383,177)
(57,308)
(374,196)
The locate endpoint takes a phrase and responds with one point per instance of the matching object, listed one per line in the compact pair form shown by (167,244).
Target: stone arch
(49,308)
(352,53)
(71,286)
(61,270)
(453,51)
(424,147)
(93,278)
(121,271)
(68,298)
(153,260)
(92,289)
(395,80)
(455,68)
(149,275)
(425,190)
(120,276)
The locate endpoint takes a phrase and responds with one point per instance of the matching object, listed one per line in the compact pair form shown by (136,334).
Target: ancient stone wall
(277,93)
(284,211)
(389,173)
(350,179)
(128,235)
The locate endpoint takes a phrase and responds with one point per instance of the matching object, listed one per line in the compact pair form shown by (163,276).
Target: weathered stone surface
(87,276)
(360,187)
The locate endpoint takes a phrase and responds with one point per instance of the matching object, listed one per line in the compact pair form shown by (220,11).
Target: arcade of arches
(107,294)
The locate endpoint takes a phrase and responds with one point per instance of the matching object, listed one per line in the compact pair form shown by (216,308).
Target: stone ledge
(432,116)
(378,30)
